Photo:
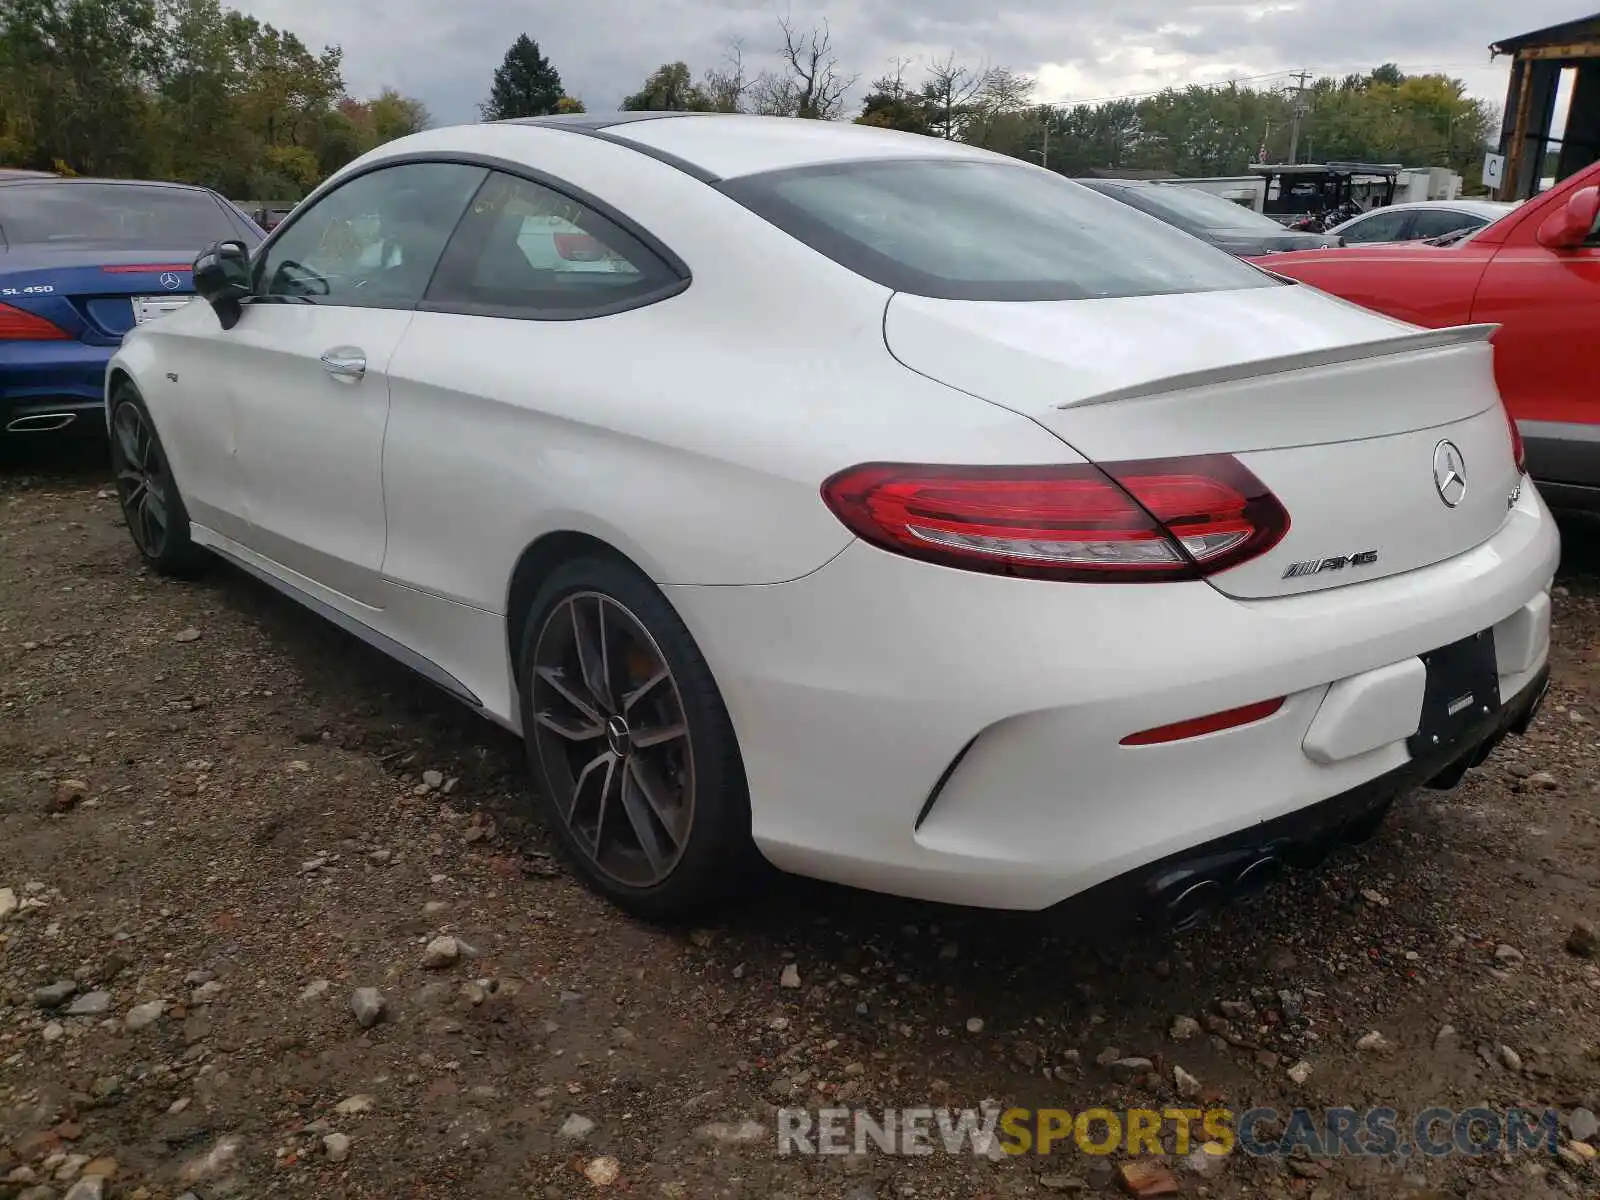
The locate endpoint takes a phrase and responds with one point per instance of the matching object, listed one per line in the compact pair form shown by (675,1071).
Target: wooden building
(1538,61)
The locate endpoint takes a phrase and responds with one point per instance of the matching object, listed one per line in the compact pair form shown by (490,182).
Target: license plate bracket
(148,308)
(1462,693)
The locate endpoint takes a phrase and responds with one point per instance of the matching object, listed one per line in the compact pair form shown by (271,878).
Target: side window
(525,250)
(1383,227)
(1433,223)
(372,242)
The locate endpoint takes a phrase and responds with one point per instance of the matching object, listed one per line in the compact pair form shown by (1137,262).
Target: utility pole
(1300,110)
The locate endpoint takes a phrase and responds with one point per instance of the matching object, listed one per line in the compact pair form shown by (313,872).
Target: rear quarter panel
(693,434)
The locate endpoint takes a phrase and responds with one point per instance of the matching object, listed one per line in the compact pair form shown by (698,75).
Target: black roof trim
(598,126)
(589,122)
(693,170)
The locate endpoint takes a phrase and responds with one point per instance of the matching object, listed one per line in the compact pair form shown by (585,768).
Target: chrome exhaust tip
(41,422)
(1194,906)
(1257,875)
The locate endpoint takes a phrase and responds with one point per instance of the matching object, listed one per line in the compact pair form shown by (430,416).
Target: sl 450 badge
(1315,566)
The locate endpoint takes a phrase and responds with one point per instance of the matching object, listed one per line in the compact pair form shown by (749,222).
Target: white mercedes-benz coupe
(884,509)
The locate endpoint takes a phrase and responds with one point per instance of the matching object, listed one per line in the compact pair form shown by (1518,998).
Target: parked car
(82,261)
(904,513)
(1535,273)
(1226,225)
(1419,220)
(269,218)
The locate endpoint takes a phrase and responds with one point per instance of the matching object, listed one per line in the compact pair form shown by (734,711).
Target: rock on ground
(368,1006)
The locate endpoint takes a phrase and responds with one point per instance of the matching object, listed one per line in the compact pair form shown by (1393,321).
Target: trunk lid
(1340,412)
(91,292)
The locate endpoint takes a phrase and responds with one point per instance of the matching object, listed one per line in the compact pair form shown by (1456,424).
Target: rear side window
(985,231)
(526,250)
(1437,223)
(115,215)
(1385,227)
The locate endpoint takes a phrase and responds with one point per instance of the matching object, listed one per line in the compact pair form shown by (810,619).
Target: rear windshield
(1193,209)
(110,214)
(985,231)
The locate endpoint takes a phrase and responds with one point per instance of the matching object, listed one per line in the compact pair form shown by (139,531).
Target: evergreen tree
(525,84)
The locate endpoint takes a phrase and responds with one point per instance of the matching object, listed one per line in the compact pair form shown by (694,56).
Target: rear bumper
(1178,891)
(1564,460)
(957,737)
(43,383)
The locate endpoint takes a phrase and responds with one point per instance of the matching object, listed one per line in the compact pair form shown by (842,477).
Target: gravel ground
(220,818)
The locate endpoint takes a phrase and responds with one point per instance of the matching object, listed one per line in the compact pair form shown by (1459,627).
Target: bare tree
(892,83)
(726,86)
(951,88)
(774,94)
(810,84)
(1003,92)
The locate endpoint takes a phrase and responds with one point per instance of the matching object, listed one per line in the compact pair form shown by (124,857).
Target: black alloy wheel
(628,738)
(613,737)
(147,491)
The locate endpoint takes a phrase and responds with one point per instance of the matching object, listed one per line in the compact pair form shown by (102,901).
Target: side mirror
(1571,224)
(222,279)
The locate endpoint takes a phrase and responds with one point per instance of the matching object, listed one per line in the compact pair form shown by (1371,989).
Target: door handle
(345,363)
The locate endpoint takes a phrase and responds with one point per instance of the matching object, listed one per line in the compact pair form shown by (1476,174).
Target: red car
(1536,273)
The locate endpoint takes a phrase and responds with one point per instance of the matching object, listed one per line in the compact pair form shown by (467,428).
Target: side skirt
(383,643)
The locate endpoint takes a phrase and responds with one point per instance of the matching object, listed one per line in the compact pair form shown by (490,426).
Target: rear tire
(152,506)
(628,740)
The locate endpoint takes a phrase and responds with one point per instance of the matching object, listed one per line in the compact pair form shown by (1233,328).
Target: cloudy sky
(444,51)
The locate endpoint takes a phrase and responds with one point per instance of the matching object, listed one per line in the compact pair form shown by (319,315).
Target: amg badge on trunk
(1315,566)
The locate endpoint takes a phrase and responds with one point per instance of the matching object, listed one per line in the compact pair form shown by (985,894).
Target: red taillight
(19,326)
(1228,719)
(1146,521)
(579,247)
(147,268)
(1519,452)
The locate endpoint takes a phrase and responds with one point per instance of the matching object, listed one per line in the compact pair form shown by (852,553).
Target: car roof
(75,180)
(724,145)
(1483,208)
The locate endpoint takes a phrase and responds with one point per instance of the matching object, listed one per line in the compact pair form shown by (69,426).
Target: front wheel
(151,505)
(638,770)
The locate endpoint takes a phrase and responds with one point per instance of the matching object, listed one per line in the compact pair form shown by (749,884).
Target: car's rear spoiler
(1281,364)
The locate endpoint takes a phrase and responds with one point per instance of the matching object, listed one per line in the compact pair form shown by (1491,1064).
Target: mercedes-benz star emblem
(618,736)
(1449,473)
(170,281)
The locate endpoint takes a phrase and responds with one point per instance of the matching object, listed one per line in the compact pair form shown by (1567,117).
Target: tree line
(190,90)
(184,90)
(1384,115)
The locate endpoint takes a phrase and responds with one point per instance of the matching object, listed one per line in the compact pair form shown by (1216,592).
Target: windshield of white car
(110,214)
(962,230)
(1193,209)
